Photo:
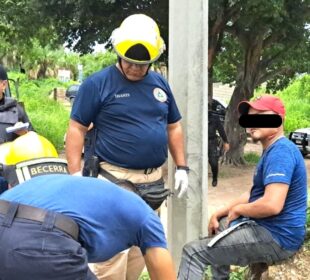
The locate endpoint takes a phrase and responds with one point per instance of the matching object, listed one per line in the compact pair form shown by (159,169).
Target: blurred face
(134,72)
(262,134)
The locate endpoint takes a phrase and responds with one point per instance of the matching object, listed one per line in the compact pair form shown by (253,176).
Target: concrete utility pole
(188,73)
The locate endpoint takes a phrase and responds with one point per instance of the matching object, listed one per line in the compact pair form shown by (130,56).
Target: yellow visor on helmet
(138,40)
(29,146)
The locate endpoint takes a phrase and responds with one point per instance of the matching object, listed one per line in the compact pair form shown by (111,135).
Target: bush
(95,62)
(48,117)
(296,98)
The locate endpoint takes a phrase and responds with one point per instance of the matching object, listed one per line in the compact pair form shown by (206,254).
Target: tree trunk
(246,82)
(210,85)
(42,70)
(235,133)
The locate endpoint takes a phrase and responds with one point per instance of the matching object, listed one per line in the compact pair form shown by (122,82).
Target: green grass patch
(251,157)
(144,276)
(237,273)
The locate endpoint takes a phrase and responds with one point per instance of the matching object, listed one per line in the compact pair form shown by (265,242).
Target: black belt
(62,222)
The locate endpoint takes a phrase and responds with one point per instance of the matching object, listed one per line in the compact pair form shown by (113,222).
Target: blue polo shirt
(110,218)
(131,117)
(282,162)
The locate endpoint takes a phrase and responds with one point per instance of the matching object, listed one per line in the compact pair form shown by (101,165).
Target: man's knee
(191,248)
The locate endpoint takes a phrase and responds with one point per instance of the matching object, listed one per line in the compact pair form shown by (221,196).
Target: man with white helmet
(136,119)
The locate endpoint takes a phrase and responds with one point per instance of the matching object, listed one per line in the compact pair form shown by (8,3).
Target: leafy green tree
(95,62)
(220,13)
(260,42)
(21,22)
(79,24)
(83,23)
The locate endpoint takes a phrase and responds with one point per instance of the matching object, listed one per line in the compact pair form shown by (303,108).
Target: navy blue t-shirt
(110,218)
(282,162)
(131,117)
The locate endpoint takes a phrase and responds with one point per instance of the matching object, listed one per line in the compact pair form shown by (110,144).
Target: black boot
(214,182)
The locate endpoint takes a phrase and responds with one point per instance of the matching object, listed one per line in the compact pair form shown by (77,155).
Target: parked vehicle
(301,138)
(71,92)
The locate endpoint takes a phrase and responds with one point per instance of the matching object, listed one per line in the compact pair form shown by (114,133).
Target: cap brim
(244,107)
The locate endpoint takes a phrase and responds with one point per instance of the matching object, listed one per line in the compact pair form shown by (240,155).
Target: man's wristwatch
(182,167)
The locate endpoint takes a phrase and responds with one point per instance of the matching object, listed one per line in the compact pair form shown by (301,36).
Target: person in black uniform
(214,126)
(11,113)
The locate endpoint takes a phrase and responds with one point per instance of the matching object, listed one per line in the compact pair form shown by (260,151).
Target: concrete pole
(188,50)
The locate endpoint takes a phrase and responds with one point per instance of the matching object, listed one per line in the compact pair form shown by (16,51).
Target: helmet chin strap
(123,72)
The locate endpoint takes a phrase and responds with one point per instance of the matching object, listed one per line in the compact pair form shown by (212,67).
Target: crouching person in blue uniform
(53,224)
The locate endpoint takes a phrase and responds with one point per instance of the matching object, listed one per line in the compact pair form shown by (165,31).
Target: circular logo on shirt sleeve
(160,95)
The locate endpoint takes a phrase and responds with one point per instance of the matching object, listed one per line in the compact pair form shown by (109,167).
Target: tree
(220,12)
(21,22)
(83,23)
(260,42)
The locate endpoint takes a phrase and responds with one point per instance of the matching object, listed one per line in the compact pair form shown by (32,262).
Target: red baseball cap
(263,103)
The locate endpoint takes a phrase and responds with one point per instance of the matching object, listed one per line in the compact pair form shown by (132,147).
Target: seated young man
(274,209)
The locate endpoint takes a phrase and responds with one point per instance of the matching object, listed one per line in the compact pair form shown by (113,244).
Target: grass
(251,157)
(144,276)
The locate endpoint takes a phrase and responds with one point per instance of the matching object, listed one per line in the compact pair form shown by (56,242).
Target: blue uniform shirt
(110,218)
(282,162)
(131,117)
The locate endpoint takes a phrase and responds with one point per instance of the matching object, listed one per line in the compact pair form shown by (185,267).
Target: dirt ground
(235,180)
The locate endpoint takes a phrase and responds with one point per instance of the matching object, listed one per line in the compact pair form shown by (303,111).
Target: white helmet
(138,40)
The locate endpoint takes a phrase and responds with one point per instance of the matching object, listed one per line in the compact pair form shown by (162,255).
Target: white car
(301,138)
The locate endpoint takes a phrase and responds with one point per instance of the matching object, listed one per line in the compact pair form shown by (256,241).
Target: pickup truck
(301,138)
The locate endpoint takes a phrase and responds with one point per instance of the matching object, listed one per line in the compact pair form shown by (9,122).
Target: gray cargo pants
(248,244)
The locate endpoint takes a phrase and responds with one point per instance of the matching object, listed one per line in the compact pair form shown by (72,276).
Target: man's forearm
(256,209)
(268,205)
(176,143)
(74,146)
(159,264)
(244,198)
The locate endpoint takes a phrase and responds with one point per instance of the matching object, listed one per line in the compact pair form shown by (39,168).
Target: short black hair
(138,52)
(3,74)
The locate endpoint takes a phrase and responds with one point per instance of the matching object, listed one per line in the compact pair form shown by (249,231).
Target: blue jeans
(248,244)
(31,250)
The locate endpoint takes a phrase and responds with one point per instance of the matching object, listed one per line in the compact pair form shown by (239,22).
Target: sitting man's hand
(233,214)
(213,225)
